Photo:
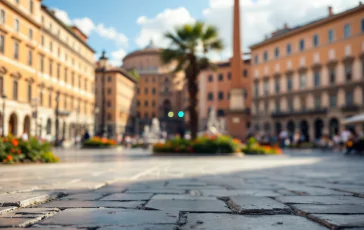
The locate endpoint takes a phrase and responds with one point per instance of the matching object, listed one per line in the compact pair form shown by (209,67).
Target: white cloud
(154,28)
(111,34)
(117,57)
(262,17)
(63,16)
(84,24)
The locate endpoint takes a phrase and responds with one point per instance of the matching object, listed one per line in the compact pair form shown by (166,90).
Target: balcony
(303,112)
(350,108)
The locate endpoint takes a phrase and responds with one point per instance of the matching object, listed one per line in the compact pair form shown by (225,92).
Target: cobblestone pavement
(119,189)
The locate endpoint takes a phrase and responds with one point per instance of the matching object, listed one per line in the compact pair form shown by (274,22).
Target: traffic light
(181,114)
(171,114)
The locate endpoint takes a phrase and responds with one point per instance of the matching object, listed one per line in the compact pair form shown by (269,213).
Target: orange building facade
(159,90)
(46,72)
(311,77)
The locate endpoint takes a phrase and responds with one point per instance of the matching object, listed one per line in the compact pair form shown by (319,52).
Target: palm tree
(189,45)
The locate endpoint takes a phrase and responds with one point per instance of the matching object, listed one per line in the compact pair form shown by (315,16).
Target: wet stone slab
(141,227)
(256,222)
(127,197)
(93,217)
(329,209)
(323,200)
(254,205)
(157,191)
(181,197)
(247,192)
(25,199)
(339,221)
(303,190)
(189,205)
(92,204)
(84,196)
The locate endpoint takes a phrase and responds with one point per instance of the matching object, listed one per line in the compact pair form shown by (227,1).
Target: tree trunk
(191,74)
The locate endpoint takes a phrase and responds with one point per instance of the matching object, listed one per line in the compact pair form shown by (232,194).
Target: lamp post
(3,117)
(57,119)
(97,110)
(103,63)
(35,115)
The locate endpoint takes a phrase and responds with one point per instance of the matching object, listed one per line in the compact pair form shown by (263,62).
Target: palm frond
(170,55)
(175,40)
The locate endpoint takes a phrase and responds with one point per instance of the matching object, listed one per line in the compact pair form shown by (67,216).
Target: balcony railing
(316,111)
(350,108)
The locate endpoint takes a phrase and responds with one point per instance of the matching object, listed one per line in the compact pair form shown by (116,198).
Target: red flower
(19,151)
(9,157)
(15,142)
(12,151)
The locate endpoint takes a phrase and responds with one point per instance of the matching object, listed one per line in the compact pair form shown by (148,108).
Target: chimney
(360,3)
(330,11)
(285,26)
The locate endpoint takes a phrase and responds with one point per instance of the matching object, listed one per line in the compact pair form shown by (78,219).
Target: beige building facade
(46,72)
(309,78)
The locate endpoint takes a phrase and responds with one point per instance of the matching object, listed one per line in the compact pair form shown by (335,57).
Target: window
(332,101)
(42,40)
(109,79)
(42,20)
(146,91)
(50,99)
(229,76)
(256,89)
(245,94)
(166,89)
(73,79)
(16,25)
(29,92)
(153,104)
(17,1)
(50,68)
(348,72)
(2,44)
(16,50)
(154,91)
(109,104)
(289,83)
(1,85)
(109,91)
(50,26)
(289,49)
(15,90)
(221,96)
(276,52)
(79,81)
(347,31)
(265,56)
(302,45)
(317,102)
(41,99)
(210,96)
(302,81)
(41,64)
(362,25)
(51,46)
(317,79)
(59,51)
(31,6)
(221,77)
(109,117)
(138,91)
(278,106)
(331,36)
(315,40)
(2,16)
(30,34)
(278,86)
(266,87)
(256,59)
(349,98)
(59,71)
(332,76)
(146,104)
(30,57)
(210,78)
(290,105)
(220,113)
(245,73)
(146,115)
(138,103)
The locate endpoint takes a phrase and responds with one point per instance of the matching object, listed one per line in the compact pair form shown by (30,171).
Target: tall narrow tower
(237,116)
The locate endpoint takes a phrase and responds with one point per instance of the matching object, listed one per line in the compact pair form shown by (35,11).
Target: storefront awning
(354,119)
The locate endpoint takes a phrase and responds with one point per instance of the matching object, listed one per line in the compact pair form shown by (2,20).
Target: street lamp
(35,115)
(57,118)
(3,117)
(97,111)
(103,63)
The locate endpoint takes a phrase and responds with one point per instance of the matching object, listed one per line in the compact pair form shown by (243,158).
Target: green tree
(189,45)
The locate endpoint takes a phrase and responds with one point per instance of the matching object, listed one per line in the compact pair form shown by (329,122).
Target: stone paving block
(84,196)
(141,227)
(92,204)
(329,209)
(31,213)
(7,209)
(356,189)
(17,222)
(228,193)
(155,190)
(254,205)
(25,199)
(189,205)
(339,221)
(304,190)
(324,200)
(181,197)
(92,217)
(256,222)
(110,189)
(127,197)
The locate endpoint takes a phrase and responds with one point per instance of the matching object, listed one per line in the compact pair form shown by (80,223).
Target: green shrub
(97,142)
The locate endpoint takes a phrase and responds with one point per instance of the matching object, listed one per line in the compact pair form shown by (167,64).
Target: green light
(181,114)
(170,114)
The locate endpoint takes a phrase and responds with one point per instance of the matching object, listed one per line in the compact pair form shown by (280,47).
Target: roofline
(309,26)
(121,71)
(75,27)
(45,8)
(142,52)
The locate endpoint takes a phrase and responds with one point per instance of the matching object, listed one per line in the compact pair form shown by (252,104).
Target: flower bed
(97,142)
(252,147)
(13,150)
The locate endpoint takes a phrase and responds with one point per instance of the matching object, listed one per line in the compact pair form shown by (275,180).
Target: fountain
(213,124)
(152,134)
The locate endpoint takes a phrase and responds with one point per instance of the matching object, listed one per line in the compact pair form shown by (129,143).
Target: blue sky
(122,26)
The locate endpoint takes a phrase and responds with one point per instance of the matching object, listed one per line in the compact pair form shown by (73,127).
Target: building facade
(311,77)
(115,96)
(159,90)
(46,73)
(214,92)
